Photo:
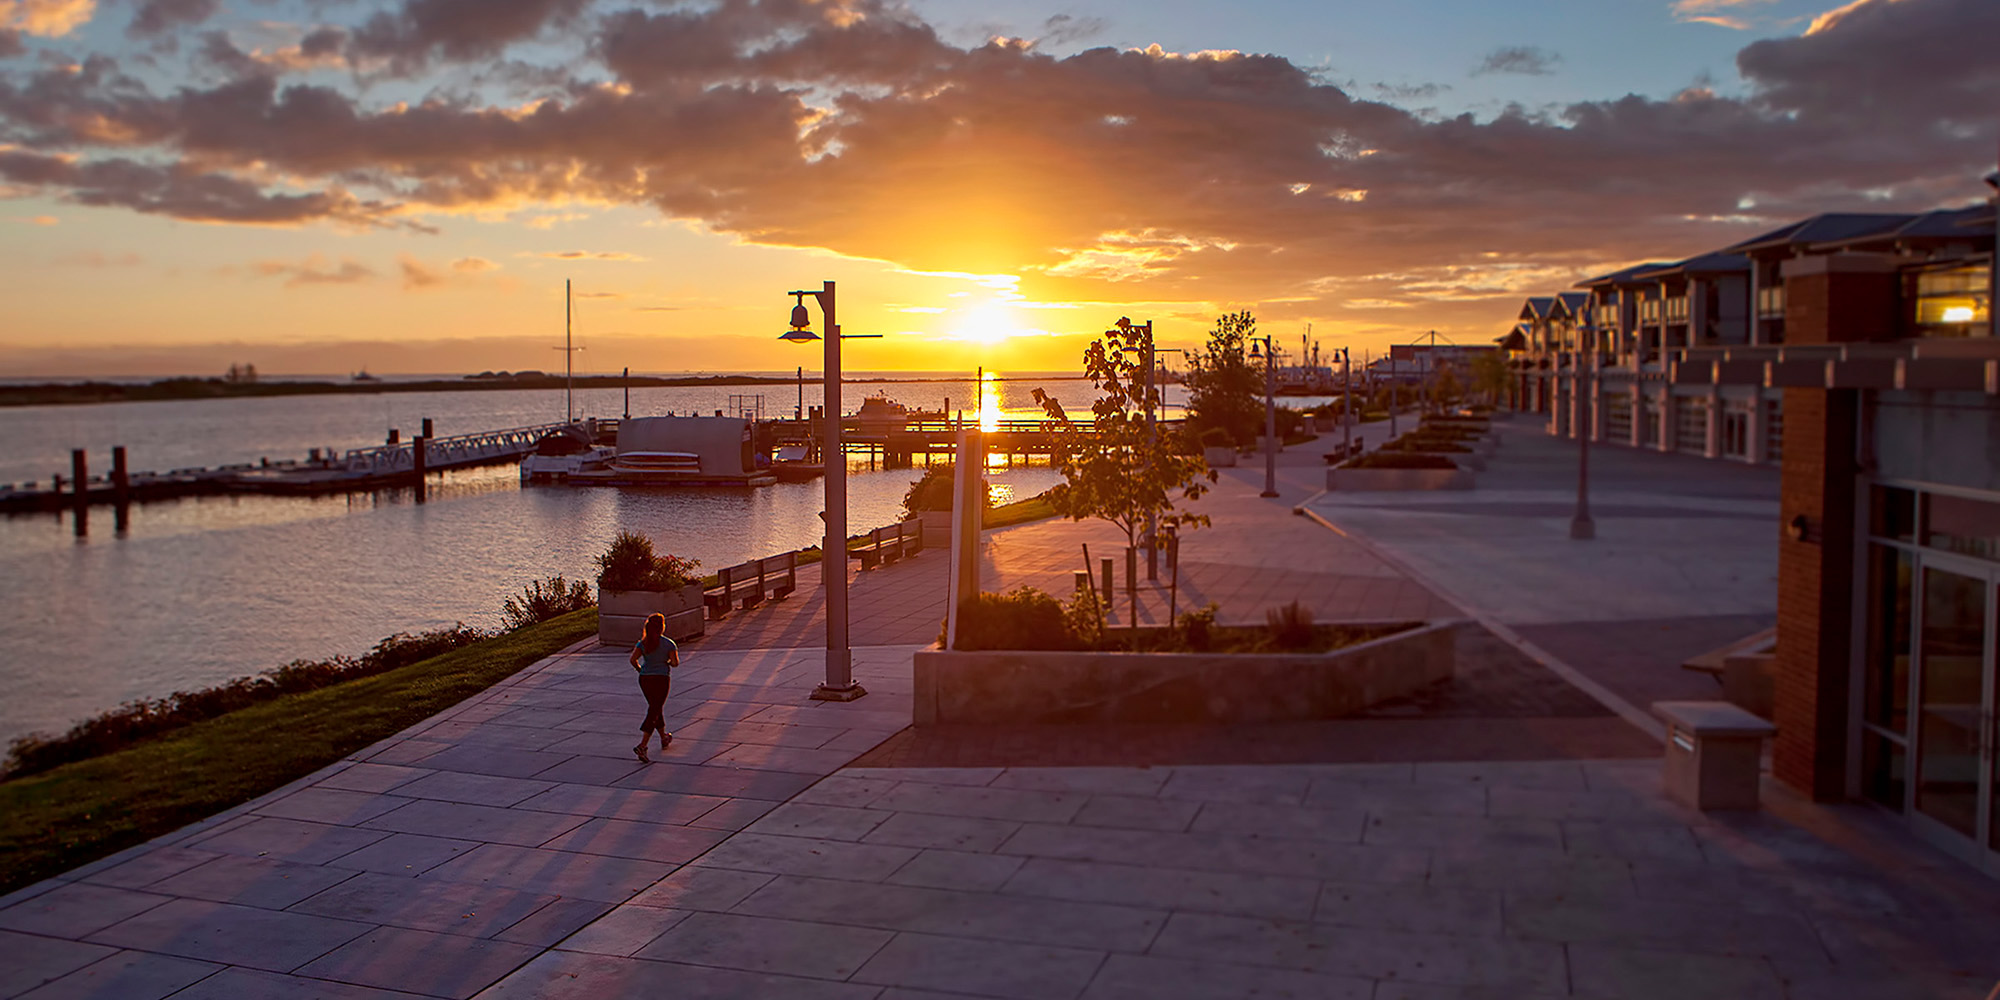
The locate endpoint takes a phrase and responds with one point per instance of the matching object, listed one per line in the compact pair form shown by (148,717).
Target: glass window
(1884,769)
(1954,303)
(1892,513)
(1886,691)
(1956,524)
(1947,724)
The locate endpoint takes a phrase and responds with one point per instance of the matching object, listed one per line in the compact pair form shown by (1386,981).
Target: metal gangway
(451,452)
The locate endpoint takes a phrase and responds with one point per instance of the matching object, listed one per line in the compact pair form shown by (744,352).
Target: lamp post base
(848,693)
(1268,494)
(1582,529)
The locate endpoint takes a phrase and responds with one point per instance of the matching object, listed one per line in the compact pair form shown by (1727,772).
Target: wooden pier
(398,463)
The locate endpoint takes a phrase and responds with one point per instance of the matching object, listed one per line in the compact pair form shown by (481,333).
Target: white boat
(680,451)
(668,465)
(563,454)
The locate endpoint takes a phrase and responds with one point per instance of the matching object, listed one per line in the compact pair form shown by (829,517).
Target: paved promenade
(512,847)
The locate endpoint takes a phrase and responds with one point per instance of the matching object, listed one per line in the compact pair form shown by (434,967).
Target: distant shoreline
(83,393)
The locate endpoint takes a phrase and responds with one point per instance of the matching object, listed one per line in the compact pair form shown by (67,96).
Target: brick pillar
(1829,299)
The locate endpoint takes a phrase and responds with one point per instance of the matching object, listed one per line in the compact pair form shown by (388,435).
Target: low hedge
(1399,460)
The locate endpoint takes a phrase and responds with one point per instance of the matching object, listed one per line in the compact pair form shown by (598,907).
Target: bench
(889,543)
(1343,452)
(749,582)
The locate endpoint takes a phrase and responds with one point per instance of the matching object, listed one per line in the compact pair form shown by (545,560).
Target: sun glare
(987,324)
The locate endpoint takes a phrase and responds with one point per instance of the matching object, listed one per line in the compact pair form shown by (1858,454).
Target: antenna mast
(569,357)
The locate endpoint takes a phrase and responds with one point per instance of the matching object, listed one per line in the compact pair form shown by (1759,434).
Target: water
(201,590)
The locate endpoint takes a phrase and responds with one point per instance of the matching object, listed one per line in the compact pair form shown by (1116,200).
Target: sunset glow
(407,184)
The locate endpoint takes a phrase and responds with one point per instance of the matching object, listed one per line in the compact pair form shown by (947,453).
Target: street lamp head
(801,319)
(1257,349)
(799,336)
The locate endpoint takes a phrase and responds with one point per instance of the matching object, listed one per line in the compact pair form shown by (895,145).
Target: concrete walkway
(513,848)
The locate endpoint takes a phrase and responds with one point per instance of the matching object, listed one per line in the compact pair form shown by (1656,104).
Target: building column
(1712,447)
(1636,434)
(1830,299)
(1755,451)
(1664,441)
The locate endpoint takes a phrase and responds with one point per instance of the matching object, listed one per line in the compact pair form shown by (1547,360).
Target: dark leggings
(654,687)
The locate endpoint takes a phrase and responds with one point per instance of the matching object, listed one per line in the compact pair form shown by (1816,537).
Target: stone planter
(1368,480)
(937,528)
(1463,459)
(1009,687)
(621,614)
(1219,457)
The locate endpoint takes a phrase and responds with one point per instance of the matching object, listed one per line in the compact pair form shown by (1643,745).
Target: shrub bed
(1399,460)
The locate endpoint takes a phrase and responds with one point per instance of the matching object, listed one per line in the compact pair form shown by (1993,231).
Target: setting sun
(991,323)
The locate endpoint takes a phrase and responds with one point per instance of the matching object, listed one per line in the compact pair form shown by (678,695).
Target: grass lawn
(1034,508)
(54,821)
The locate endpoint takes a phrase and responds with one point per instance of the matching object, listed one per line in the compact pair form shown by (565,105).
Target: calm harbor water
(198,591)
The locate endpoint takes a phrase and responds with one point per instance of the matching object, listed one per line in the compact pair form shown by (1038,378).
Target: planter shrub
(1398,460)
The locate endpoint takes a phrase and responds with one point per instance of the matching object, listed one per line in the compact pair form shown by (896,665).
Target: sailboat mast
(569,359)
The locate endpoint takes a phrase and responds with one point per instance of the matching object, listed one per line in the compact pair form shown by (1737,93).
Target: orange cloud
(51,18)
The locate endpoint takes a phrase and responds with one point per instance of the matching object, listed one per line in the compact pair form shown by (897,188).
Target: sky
(404,186)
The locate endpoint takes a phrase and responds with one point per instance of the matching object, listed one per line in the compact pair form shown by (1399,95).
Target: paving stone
(643,841)
(442,965)
(1238,784)
(722,782)
(1136,781)
(570,975)
(77,909)
(860,741)
(250,984)
(601,768)
(1617,805)
(476,789)
(331,805)
(671,808)
(624,930)
(483,735)
(554,922)
(807,856)
(1545,774)
(251,881)
(290,840)
(1467,799)
(808,819)
(520,827)
(797,760)
(146,867)
(762,944)
(981,802)
(28,961)
(405,751)
(1149,977)
(1396,774)
(940,869)
(368,776)
(1422,909)
(1465,833)
(845,789)
(1127,812)
(1684,927)
(426,904)
(758,733)
(702,889)
(1638,974)
(128,975)
(961,914)
(1371,953)
(233,935)
(1174,889)
(556,873)
(733,814)
(404,854)
(1540,872)
(1633,842)
(1251,819)
(1219,852)
(933,775)
(493,760)
(1001,969)
(949,832)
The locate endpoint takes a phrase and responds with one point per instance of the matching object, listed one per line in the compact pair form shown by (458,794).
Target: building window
(1677,309)
(1649,311)
(1886,688)
(1617,415)
(1957,524)
(1954,302)
(1771,302)
(1774,431)
(1736,434)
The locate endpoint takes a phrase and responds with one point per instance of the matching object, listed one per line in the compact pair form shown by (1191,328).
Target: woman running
(654,656)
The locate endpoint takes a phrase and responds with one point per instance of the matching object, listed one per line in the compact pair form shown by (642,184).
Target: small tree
(1224,388)
(1490,375)
(1116,471)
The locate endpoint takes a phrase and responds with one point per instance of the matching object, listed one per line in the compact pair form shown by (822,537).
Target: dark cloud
(158,17)
(848,125)
(1526,60)
(10,43)
(1877,60)
(458,30)
(1062,29)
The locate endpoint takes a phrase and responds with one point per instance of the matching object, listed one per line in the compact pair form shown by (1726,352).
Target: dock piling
(427,429)
(417,457)
(121,480)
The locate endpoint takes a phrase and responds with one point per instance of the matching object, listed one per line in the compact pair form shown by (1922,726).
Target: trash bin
(1714,752)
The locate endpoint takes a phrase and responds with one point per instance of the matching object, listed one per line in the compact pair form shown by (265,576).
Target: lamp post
(839,684)
(1581,527)
(1270,413)
(1346,403)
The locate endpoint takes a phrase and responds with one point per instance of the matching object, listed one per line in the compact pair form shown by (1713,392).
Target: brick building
(1859,353)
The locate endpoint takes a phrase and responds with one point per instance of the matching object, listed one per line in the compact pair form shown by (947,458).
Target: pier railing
(462,449)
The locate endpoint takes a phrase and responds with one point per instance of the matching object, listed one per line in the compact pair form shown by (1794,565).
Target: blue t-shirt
(655,663)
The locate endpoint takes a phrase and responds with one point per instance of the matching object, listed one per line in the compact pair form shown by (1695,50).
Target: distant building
(1859,353)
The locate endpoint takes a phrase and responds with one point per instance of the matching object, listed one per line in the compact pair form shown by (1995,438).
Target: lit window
(1954,303)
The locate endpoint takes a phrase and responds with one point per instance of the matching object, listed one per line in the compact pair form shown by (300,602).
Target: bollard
(427,428)
(417,457)
(395,435)
(121,481)
(1082,580)
(79,472)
